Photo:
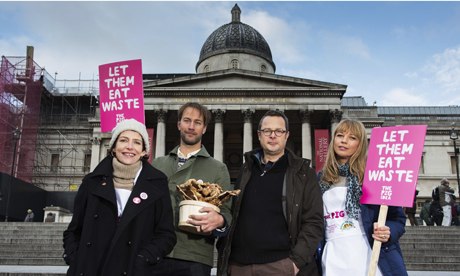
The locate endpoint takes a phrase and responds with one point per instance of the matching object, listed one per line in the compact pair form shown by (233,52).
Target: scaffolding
(64,141)
(20,92)
(54,148)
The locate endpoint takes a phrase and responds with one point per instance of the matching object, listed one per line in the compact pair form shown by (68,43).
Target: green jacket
(194,247)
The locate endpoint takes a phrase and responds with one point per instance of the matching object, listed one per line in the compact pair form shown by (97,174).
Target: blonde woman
(350,227)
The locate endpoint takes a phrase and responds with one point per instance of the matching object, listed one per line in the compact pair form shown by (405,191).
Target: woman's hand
(381,233)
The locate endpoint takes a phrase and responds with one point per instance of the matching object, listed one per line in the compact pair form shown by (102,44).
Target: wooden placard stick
(377,244)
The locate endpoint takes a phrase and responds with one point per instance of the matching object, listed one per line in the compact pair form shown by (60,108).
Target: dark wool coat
(99,243)
(304,211)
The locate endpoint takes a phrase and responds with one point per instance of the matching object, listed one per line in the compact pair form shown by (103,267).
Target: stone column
(218,134)
(247,130)
(95,152)
(336,117)
(161,133)
(306,134)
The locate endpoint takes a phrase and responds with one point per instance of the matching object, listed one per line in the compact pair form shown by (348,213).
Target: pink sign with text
(121,93)
(392,166)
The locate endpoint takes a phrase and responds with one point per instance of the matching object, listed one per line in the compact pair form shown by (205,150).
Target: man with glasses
(278,217)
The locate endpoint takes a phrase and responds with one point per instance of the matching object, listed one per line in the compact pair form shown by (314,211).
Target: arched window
(206,68)
(235,64)
(263,68)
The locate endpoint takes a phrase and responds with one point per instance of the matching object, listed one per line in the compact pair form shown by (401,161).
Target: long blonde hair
(357,161)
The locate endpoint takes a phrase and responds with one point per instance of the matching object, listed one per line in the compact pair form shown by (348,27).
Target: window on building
(235,64)
(87,162)
(263,68)
(54,162)
(453,164)
(206,68)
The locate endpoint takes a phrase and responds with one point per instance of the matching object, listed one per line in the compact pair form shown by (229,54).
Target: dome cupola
(235,45)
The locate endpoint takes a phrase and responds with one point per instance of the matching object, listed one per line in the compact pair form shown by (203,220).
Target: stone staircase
(425,248)
(431,248)
(31,244)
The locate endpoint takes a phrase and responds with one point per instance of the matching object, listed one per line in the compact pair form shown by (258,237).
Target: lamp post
(454,137)
(16,136)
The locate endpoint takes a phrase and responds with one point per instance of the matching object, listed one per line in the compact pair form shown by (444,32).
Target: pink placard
(121,93)
(392,165)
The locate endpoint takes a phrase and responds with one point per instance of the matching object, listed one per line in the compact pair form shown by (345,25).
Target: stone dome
(236,37)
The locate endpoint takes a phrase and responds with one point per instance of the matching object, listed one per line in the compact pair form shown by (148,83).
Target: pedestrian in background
(425,213)
(445,199)
(30,216)
(410,211)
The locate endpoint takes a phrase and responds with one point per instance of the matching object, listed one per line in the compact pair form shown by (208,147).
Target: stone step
(415,239)
(37,244)
(424,252)
(433,267)
(28,252)
(431,248)
(432,230)
(36,231)
(35,223)
(32,261)
(33,247)
(420,245)
(430,258)
(32,236)
(32,241)
(30,274)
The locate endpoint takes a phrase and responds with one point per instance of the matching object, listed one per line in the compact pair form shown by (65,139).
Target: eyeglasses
(268,132)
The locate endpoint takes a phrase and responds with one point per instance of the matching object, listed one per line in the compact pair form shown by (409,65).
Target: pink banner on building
(392,165)
(321,146)
(121,93)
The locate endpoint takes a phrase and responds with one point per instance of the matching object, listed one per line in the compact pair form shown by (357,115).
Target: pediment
(239,79)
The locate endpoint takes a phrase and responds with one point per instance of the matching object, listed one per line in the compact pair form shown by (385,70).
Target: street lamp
(454,137)
(16,136)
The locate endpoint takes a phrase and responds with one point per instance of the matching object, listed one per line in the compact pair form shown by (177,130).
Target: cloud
(350,45)
(77,37)
(445,69)
(282,36)
(402,97)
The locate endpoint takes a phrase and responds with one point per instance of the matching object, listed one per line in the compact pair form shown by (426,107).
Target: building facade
(236,79)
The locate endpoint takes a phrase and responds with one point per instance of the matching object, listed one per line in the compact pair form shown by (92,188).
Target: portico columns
(161,133)
(336,117)
(306,134)
(218,135)
(247,130)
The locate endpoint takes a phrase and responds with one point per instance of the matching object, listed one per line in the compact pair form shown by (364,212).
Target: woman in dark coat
(122,222)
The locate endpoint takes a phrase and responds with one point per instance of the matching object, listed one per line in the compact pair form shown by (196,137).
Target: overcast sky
(394,53)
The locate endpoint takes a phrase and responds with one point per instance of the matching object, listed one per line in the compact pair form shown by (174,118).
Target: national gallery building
(236,79)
